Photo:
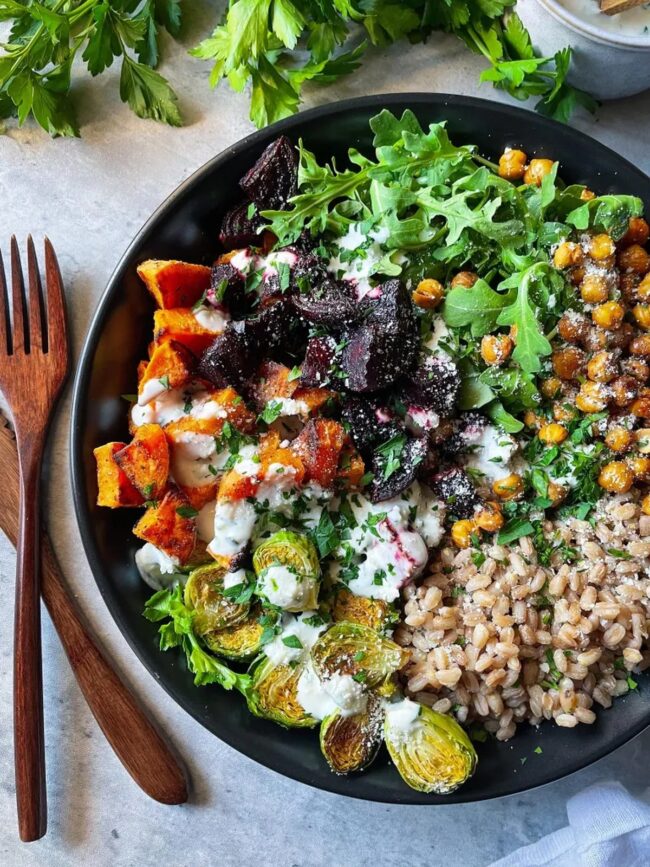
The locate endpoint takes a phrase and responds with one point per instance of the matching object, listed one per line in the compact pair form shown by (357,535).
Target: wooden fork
(33,368)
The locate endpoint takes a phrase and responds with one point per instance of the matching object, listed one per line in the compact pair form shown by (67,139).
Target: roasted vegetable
(375,613)
(113,486)
(145,461)
(431,751)
(214,609)
(241,642)
(350,648)
(350,743)
(171,366)
(274,694)
(288,571)
(173,283)
(319,446)
(182,326)
(171,526)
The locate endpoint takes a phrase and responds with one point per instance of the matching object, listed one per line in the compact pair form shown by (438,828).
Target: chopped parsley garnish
(292,641)
(187,511)
(271,412)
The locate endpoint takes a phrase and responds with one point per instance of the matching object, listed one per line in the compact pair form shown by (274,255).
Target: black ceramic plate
(185,227)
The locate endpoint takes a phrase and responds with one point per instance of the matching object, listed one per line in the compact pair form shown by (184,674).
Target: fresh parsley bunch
(46,37)
(275,46)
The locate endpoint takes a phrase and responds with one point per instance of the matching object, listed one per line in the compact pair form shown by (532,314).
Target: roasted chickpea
(587,195)
(564,412)
(496,348)
(645,505)
(597,339)
(643,289)
(509,488)
(642,439)
(568,362)
(576,275)
(591,397)
(641,407)
(640,345)
(616,477)
(619,439)
(640,467)
(512,164)
(608,315)
(638,232)
(531,419)
(602,367)
(568,253)
(556,493)
(490,518)
(594,289)
(621,337)
(628,284)
(462,532)
(637,368)
(641,313)
(551,387)
(573,327)
(553,433)
(537,171)
(601,247)
(634,258)
(624,389)
(464,278)
(428,293)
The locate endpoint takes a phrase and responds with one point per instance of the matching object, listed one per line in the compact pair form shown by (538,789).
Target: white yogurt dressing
(157,569)
(306,633)
(234,579)
(192,457)
(401,719)
(358,270)
(340,692)
(437,335)
(287,406)
(632,22)
(246,261)
(211,318)
(493,454)
(171,404)
(285,588)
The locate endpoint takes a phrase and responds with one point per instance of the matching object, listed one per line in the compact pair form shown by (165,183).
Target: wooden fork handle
(29,741)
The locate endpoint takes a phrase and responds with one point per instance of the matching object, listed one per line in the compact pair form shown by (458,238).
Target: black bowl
(185,227)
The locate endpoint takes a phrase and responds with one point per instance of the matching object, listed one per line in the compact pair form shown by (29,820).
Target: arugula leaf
(531,344)
(479,307)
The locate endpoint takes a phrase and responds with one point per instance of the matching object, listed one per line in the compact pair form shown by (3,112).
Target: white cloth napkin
(607,828)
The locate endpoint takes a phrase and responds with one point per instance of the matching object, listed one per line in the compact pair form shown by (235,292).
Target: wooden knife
(130,731)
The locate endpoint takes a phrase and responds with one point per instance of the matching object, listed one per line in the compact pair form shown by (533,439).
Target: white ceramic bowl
(606,63)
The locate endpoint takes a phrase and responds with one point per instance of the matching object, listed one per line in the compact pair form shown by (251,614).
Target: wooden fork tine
(56,322)
(18,299)
(5,343)
(36,330)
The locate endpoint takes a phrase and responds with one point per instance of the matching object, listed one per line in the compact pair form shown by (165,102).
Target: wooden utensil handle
(29,741)
(142,750)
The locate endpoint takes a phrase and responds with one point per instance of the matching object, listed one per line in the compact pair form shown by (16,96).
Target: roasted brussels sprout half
(204,593)
(350,743)
(288,571)
(350,648)
(241,642)
(274,694)
(375,613)
(430,750)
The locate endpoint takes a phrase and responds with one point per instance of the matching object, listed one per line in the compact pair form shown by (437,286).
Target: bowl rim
(591,32)
(81,381)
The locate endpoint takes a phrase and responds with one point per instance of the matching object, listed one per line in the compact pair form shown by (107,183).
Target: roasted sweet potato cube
(314,397)
(145,461)
(200,495)
(113,486)
(182,326)
(272,383)
(170,525)
(171,366)
(351,467)
(238,413)
(235,486)
(173,283)
(142,367)
(319,446)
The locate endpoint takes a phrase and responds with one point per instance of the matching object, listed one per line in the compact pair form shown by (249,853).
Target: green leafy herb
(187,512)
(292,641)
(515,529)
(271,412)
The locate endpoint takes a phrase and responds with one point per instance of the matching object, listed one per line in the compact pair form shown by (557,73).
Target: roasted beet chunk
(467,431)
(455,487)
(238,229)
(277,327)
(435,384)
(384,347)
(327,303)
(231,359)
(317,366)
(368,423)
(227,286)
(395,465)
(273,178)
